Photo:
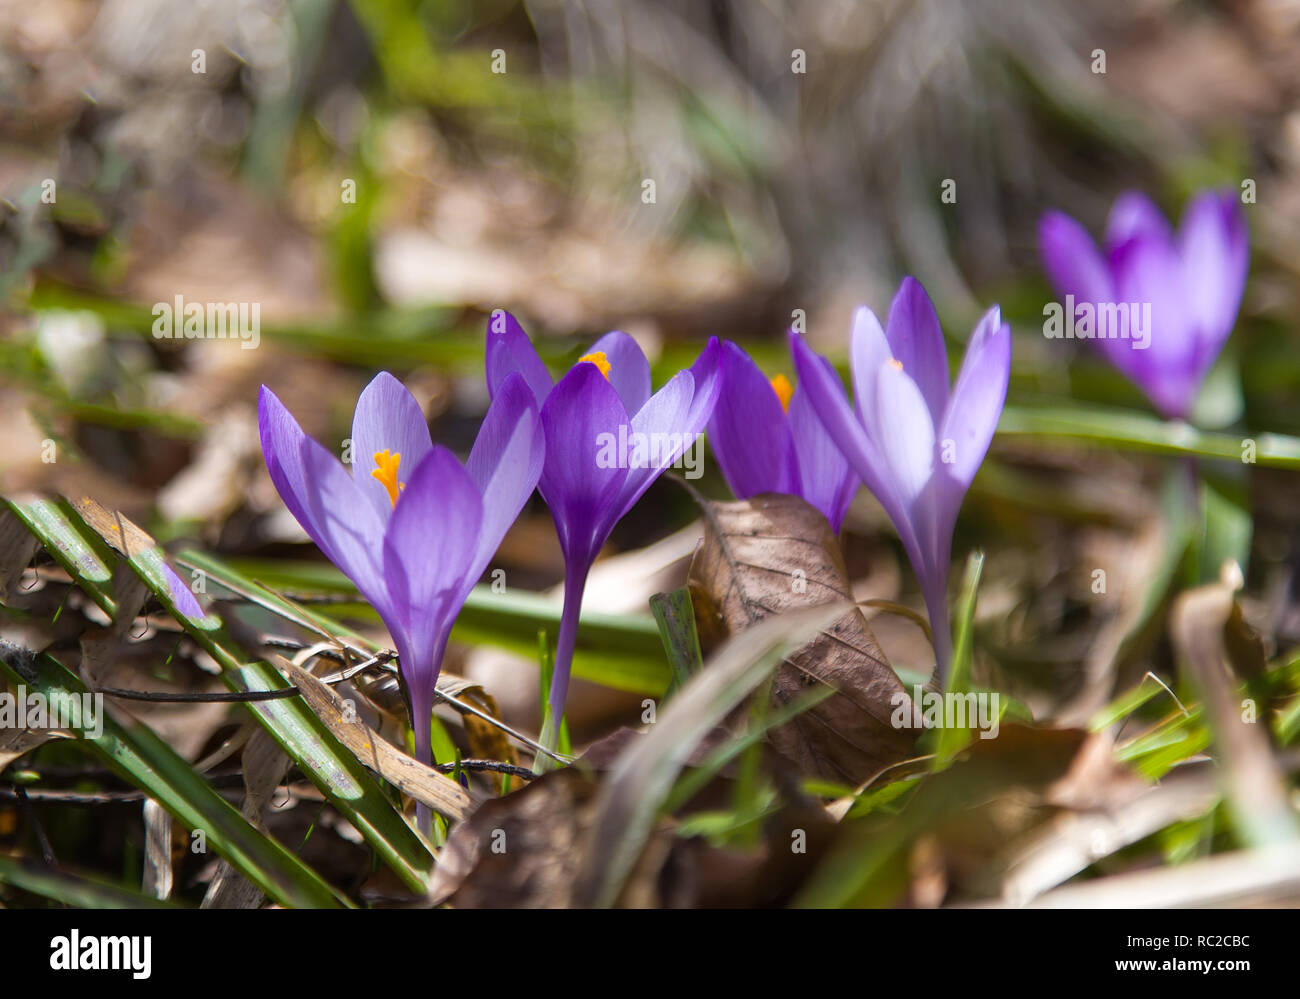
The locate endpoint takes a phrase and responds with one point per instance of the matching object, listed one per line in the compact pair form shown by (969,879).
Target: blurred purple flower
(916,444)
(607,440)
(768,439)
(409,525)
(1192,281)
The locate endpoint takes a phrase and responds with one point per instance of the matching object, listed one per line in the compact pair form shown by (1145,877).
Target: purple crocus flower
(409,525)
(915,442)
(607,440)
(1192,281)
(767,439)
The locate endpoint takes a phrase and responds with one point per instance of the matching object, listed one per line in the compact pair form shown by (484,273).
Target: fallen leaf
(422,783)
(773,554)
(1206,627)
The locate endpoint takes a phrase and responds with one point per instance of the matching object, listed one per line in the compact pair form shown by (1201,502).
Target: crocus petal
(1148,272)
(916,340)
(323,498)
(826,394)
(582,475)
(662,424)
(387,418)
(509,349)
(977,398)
(629,371)
(749,432)
(868,350)
(1215,254)
(505,463)
(1073,263)
(1135,216)
(903,430)
(706,374)
(428,550)
(825,478)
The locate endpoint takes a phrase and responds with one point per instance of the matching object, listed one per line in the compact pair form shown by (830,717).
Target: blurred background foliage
(498,152)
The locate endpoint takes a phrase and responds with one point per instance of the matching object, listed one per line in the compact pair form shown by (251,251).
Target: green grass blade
(1142,432)
(675,615)
(305,739)
(952,741)
(621,651)
(82,555)
(143,759)
(642,778)
(75,889)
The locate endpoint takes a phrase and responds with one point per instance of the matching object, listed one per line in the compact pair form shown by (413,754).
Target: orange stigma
(898,365)
(784,390)
(598,358)
(386,473)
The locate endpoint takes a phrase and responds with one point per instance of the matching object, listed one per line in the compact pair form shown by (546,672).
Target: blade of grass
(952,741)
(643,775)
(303,736)
(1141,432)
(75,889)
(143,759)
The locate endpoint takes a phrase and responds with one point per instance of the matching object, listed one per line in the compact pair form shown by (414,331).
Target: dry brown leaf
(1206,627)
(264,767)
(158,875)
(15,743)
(422,783)
(773,554)
(520,851)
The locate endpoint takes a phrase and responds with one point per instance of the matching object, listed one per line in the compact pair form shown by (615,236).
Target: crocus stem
(575,581)
(936,606)
(421,719)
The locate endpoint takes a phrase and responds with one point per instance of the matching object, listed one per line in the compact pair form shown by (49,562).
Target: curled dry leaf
(422,783)
(1211,638)
(520,851)
(773,554)
(18,742)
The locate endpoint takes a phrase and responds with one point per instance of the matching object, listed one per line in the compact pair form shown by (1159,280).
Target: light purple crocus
(913,441)
(767,439)
(607,439)
(409,525)
(1192,281)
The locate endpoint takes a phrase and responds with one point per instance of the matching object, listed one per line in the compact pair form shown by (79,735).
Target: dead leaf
(422,783)
(772,554)
(15,743)
(520,851)
(264,767)
(1201,624)
(17,547)
(157,850)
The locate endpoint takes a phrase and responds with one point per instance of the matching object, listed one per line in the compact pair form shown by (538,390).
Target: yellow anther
(898,365)
(784,390)
(386,473)
(598,358)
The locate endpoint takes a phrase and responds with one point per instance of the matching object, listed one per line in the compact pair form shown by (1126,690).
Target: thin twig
(168,697)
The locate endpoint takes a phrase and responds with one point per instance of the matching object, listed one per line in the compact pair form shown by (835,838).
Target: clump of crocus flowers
(414,529)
